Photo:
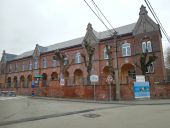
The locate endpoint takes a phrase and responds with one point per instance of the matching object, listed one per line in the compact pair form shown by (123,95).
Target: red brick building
(18,71)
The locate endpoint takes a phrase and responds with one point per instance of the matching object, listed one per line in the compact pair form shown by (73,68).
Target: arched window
(44,63)
(126,50)
(23,66)
(105,53)
(36,63)
(30,65)
(147,46)
(78,58)
(65,61)
(54,63)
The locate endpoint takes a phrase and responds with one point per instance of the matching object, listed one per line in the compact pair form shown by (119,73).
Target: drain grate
(91,115)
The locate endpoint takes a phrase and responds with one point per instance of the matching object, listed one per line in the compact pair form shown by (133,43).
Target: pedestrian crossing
(2,98)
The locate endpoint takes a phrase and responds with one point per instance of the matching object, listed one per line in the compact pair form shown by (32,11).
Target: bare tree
(64,64)
(110,60)
(89,59)
(146,60)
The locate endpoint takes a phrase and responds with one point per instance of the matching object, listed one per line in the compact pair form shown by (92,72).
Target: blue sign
(33,84)
(142,89)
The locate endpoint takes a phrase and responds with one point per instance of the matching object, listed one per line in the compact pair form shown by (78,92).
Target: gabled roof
(7,57)
(134,28)
(145,23)
(78,41)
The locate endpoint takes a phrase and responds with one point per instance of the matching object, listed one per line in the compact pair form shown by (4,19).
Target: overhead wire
(99,18)
(157,19)
(103,14)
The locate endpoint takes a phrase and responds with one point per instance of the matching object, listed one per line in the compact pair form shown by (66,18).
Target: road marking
(11,98)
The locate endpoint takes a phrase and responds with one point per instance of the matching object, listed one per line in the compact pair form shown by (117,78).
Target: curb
(134,102)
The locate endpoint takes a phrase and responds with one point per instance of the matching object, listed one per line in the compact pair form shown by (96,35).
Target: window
(132,74)
(105,53)
(65,61)
(10,68)
(30,65)
(150,69)
(23,66)
(126,50)
(36,63)
(44,63)
(54,63)
(78,58)
(16,67)
(147,46)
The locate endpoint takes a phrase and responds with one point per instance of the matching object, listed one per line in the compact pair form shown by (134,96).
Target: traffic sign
(94,78)
(109,79)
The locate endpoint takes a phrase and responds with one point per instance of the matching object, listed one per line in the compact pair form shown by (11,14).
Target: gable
(36,52)
(145,23)
(90,36)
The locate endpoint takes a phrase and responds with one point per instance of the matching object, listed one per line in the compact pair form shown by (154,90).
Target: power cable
(157,19)
(99,18)
(102,14)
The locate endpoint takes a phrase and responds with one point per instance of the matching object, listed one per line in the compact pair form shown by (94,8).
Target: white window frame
(16,67)
(54,63)
(106,56)
(23,66)
(126,49)
(36,63)
(78,58)
(30,65)
(65,61)
(147,46)
(44,62)
(151,68)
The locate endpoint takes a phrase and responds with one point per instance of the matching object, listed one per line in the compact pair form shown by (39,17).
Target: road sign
(94,78)
(109,79)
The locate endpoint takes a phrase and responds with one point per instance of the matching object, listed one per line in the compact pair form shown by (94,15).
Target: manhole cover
(91,115)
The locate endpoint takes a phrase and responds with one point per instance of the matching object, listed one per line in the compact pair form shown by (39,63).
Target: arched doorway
(15,81)
(54,76)
(29,80)
(78,77)
(127,73)
(22,81)
(9,82)
(44,79)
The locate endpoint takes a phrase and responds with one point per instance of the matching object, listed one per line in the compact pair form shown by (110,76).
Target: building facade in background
(18,71)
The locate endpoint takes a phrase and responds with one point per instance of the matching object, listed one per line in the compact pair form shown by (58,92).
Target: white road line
(10,98)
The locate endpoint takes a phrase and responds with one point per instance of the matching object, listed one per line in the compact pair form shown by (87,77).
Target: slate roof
(100,35)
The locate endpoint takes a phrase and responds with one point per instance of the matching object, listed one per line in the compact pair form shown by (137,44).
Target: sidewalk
(131,102)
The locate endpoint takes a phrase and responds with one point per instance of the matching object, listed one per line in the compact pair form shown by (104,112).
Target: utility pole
(116,68)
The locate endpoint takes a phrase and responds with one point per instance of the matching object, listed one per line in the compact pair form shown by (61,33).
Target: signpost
(94,79)
(109,81)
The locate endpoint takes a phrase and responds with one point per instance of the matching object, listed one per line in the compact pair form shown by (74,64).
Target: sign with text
(142,89)
(94,78)
(140,78)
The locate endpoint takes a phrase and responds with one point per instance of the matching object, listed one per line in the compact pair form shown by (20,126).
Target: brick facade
(20,70)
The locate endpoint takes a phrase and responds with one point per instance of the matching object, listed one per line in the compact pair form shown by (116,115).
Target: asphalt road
(23,112)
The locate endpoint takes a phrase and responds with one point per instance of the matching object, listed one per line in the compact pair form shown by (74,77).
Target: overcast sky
(24,23)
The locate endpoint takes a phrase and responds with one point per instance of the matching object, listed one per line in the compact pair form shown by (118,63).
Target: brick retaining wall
(87,92)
